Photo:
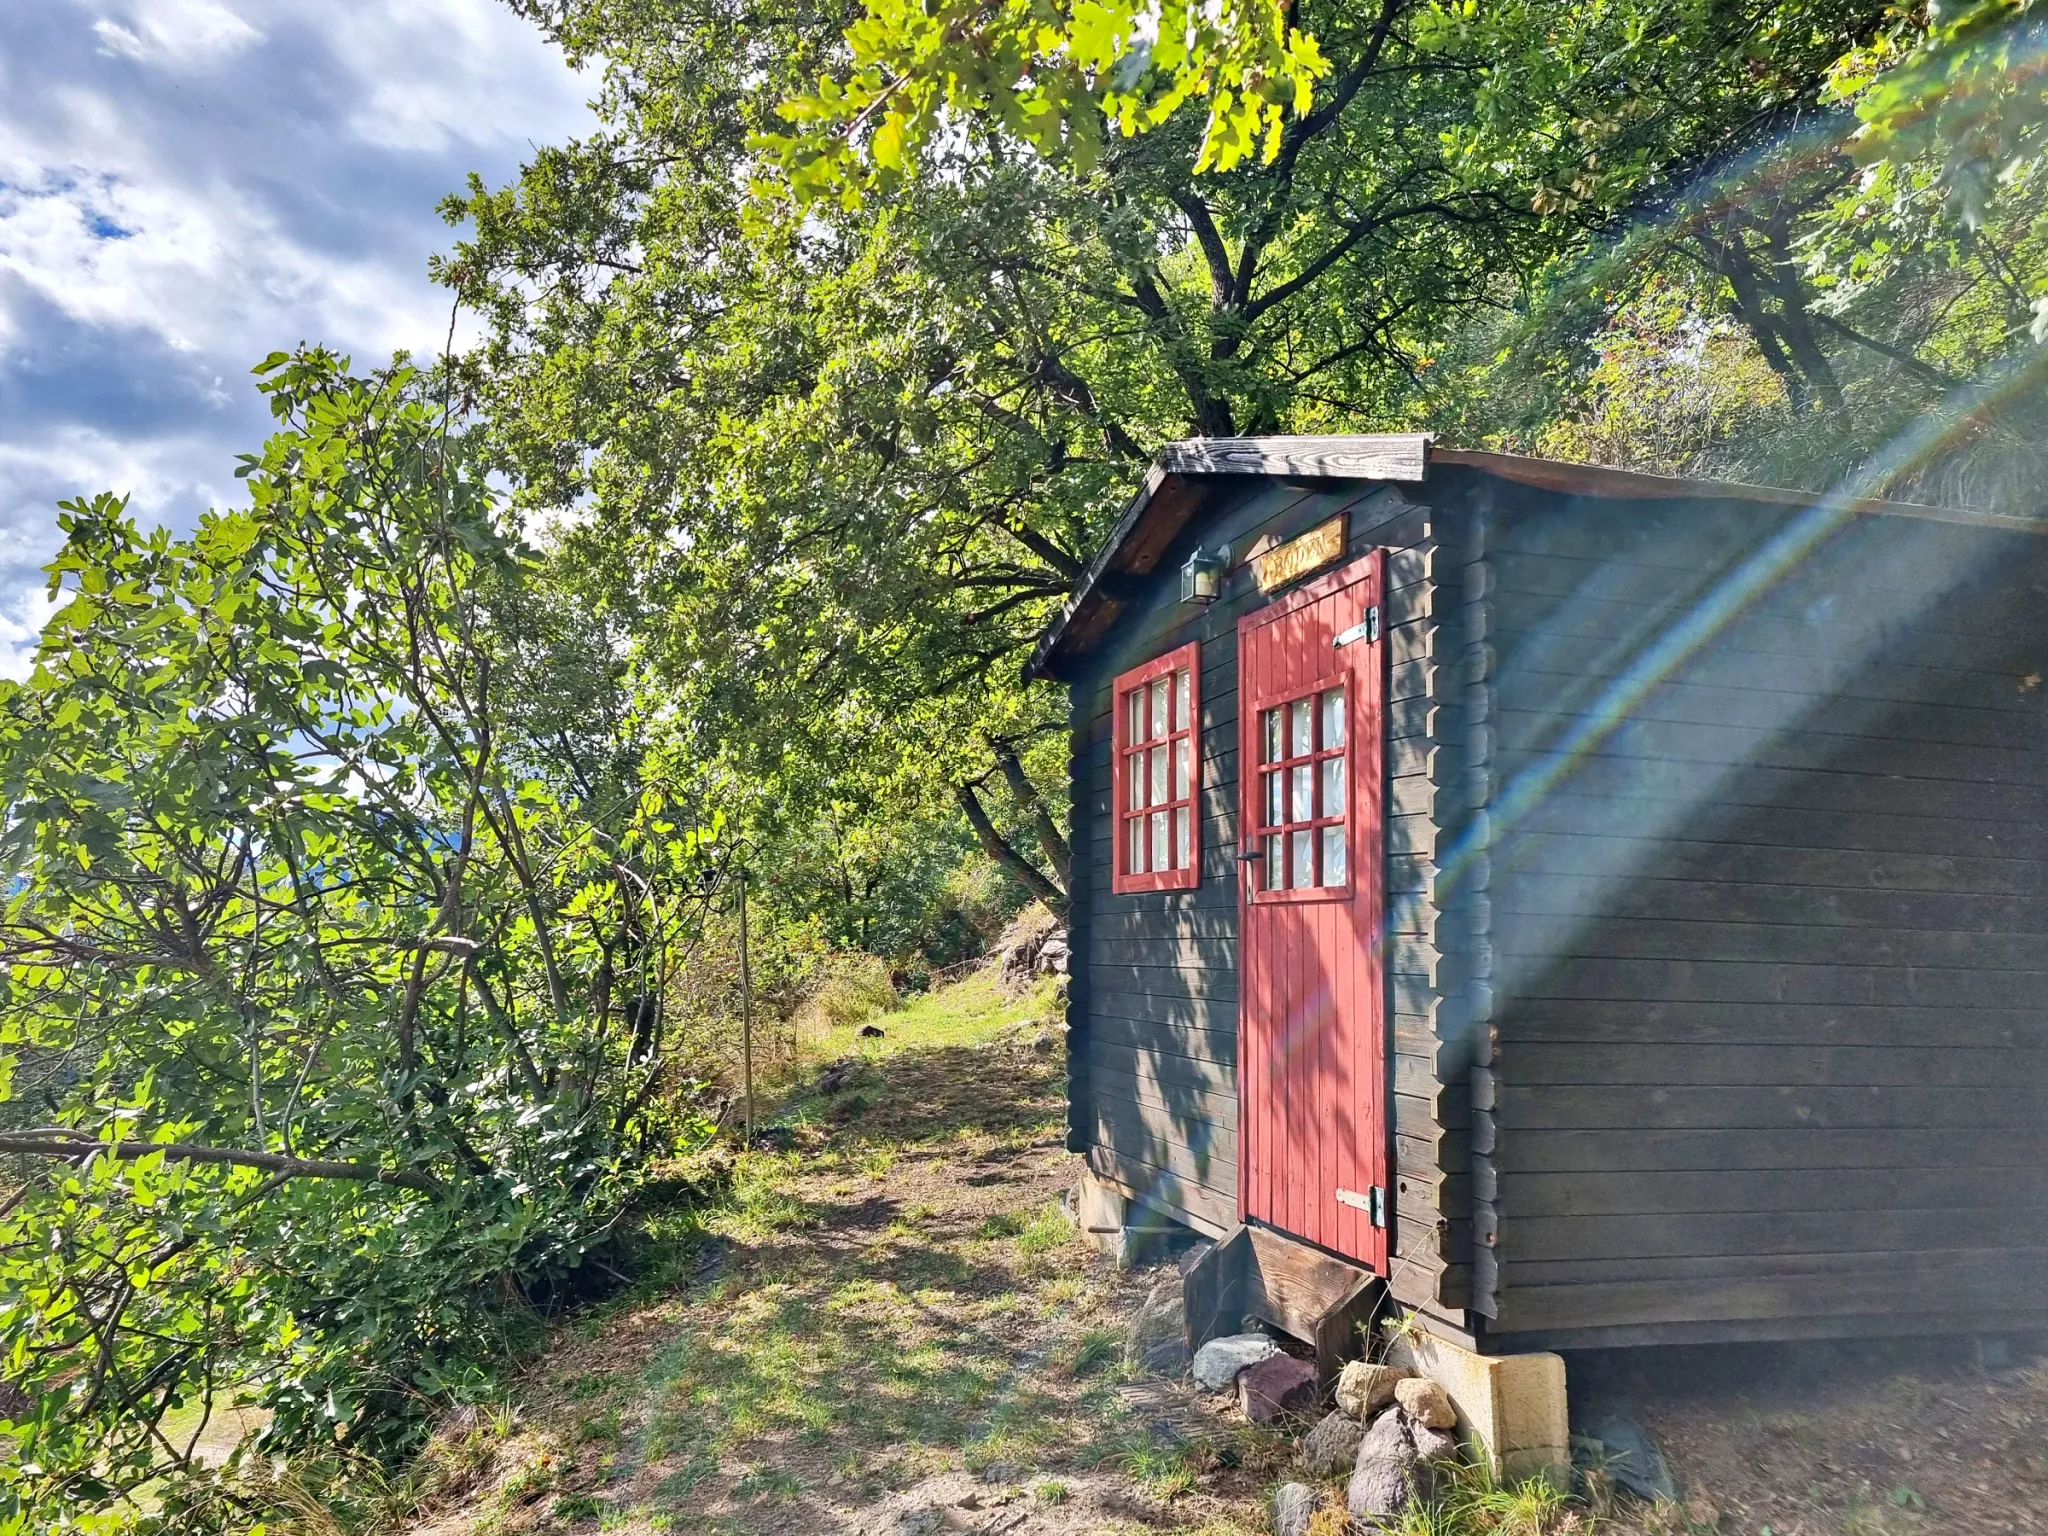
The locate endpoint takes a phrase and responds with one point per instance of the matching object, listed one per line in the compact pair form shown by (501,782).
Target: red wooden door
(1312,1055)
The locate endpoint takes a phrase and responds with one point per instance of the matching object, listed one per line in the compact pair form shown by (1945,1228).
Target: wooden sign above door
(1322,545)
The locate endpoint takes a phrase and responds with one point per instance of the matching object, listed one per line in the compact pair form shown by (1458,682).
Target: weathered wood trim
(1368,456)
(1080,838)
(1189,1203)
(1628,484)
(1151,521)
(1913,1305)
(1176,484)
(1467,878)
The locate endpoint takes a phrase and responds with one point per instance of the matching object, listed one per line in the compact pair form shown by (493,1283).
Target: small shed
(1597,908)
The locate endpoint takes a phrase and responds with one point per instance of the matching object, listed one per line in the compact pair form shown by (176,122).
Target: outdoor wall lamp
(1201,579)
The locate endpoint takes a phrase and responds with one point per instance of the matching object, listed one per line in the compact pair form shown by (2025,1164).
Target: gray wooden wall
(1153,1009)
(1759,914)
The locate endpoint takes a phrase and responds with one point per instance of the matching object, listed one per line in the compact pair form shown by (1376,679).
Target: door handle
(1246,859)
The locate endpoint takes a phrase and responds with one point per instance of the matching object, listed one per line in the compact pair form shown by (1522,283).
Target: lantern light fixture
(1201,579)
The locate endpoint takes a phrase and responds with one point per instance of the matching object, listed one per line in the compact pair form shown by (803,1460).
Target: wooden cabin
(1606,908)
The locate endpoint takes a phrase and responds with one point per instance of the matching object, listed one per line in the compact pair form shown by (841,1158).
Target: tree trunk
(1050,895)
(1042,825)
(1728,260)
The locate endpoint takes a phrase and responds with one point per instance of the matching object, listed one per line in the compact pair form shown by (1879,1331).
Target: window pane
(1333,718)
(1158,707)
(1136,864)
(1276,810)
(1276,867)
(1134,773)
(1333,786)
(1304,852)
(1181,756)
(1299,724)
(1134,724)
(1304,791)
(1183,838)
(1333,856)
(1159,775)
(1161,859)
(1273,752)
(1181,685)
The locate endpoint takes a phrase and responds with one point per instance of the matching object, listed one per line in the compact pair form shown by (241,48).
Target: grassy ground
(975,1012)
(887,1312)
(892,1324)
(891,1330)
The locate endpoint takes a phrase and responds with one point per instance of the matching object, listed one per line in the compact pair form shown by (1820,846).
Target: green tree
(841,463)
(331,990)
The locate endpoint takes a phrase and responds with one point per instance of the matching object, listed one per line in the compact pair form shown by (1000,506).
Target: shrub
(846,989)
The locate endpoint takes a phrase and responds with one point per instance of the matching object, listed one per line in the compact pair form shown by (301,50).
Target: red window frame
(1127,752)
(1266,770)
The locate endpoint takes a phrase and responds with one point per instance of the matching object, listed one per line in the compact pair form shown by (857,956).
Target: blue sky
(186,185)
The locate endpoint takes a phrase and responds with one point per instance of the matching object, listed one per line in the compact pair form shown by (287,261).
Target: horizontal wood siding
(1765,933)
(1154,1003)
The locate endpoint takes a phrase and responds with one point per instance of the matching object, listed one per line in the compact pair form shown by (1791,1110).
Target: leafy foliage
(1052,77)
(1961,90)
(333,985)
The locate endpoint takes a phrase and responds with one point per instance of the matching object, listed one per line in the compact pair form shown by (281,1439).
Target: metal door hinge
(1373,1202)
(1367,628)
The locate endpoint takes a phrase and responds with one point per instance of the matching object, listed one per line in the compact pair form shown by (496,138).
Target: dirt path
(892,1330)
(891,1327)
(1879,1438)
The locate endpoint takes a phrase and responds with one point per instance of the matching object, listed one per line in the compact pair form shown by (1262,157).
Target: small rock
(1294,1505)
(1043,1044)
(1432,1445)
(1332,1446)
(1276,1386)
(836,1076)
(1387,1435)
(1156,1340)
(1218,1361)
(1002,1472)
(924,1521)
(871,1031)
(1363,1388)
(1425,1402)
(1388,1476)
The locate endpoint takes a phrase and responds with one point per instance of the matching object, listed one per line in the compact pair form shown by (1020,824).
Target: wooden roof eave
(1174,488)
(1181,476)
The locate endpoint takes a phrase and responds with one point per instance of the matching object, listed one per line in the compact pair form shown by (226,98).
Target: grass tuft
(1098,1348)
(1046,1232)
(1467,1502)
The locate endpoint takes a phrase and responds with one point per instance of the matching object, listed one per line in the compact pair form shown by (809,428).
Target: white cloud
(21,621)
(186,185)
(179,33)
(409,98)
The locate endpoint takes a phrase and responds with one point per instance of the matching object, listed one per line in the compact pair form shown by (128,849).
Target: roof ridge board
(1357,456)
